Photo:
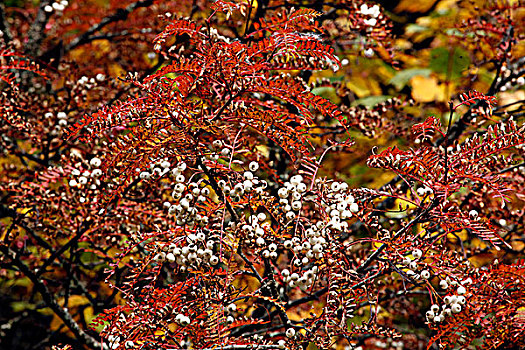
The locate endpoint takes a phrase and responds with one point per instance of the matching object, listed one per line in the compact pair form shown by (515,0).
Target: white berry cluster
(58,6)
(307,252)
(452,304)
(368,52)
(339,206)
(220,149)
(290,197)
(186,200)
(424,191)
(312,246)
(255,231)
(372,11)
(372,20)
(87,179)
(61,122)
(160,168)
(514,82)
(230,309)
(248,183)
(182,320)
(195,252)
(416,269)
(114,341)
(301,279)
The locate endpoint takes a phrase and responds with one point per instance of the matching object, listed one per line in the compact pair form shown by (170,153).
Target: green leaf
(327,92)
(451,62)
(98,323)
(402,78)
(19,306)
(415,28)
(371,100)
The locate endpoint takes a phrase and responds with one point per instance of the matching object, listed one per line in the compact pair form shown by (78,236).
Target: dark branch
(50,301)
(36,31)
(4,26)
(119,15)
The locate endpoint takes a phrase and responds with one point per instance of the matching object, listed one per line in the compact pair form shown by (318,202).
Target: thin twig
(36,32)
(4,26)
(51,302)
(382,247)
(119,15)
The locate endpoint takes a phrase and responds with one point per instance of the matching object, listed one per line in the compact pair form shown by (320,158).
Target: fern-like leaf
(473,96)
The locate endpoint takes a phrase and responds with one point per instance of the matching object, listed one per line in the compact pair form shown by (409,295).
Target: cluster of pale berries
(514,82)
(197,251)
(199,248)
(414,270)
(452,304)
(87,179)
(424,191)
(88,83)
(160,168)
(306,251)
(248,183)
(255,230)
(188,195)
(57,6)
(304,280)
(290,197)
(373,12)
(114,342)
(61,123)
(340,206)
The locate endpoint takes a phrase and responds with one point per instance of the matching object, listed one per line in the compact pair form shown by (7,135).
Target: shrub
(273,177)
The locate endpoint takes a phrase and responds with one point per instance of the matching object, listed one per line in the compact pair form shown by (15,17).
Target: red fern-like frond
(485,230)
(301,19)
(11,61)
(177,28)
(424,164)
(473,96)
(428,128)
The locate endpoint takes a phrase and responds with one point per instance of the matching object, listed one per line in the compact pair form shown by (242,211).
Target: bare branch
(51,302)
(36,32)
(119,15)
(4,26)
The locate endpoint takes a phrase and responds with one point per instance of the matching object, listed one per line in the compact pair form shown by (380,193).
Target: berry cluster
(87,179)
(196,252)
(160,168)
(339,206)
(452,304)
(416,268)
(58,6)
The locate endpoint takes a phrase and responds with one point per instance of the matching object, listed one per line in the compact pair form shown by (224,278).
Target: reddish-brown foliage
(213,199)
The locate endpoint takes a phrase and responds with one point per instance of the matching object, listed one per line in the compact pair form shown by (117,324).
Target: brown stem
(50,301)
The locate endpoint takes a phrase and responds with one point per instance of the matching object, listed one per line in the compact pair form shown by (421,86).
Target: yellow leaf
(400,209)
(74,301)
(517,245)
(414,6)
(23,211)
(481,259)
(364,87)
(510,97)
(462,235)
(89,315)
(427,89)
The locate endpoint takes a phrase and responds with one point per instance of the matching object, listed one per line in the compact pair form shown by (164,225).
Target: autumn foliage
(262,175)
